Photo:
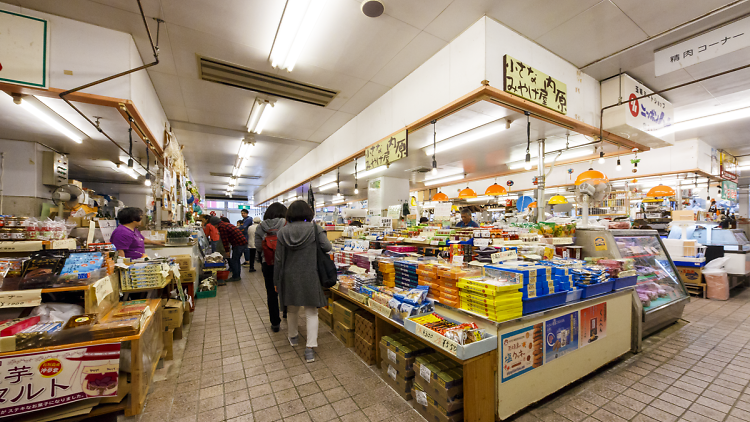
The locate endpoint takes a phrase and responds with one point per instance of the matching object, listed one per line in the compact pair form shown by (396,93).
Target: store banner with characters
(35,381)
(560,336)
(522,351)
(593,323)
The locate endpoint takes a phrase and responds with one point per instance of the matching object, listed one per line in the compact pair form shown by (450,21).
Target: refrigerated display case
(734,241)
(662,293)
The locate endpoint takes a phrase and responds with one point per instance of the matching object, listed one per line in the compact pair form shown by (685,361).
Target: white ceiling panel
(234,120)
(167,88)
(595,33)
(457,17)
(345,84)
(417,13)
(364,97)
(218,99)
(290,119)
(330,126)
(662,15)
(534,18)
(152,8)
(176,113)
(421,48)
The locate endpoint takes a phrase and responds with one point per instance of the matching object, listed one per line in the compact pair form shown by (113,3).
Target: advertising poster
(593,323)
(560,336)
(36,381)
(522,351)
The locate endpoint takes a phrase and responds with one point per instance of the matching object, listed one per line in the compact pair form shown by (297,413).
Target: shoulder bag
(326,267)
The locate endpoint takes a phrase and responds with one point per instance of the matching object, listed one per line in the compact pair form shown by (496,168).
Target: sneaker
(245,264)
(252,270)
(309,355)
(294,341)
(276,328)
(234,279)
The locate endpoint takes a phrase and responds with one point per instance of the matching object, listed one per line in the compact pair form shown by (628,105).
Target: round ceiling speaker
(372,8)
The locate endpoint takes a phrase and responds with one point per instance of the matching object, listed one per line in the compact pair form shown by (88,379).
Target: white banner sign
(717,42)
(442,211)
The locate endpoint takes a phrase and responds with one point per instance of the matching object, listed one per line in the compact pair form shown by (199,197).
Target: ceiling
(362,58)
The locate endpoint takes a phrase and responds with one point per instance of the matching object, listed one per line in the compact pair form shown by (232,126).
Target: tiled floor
(232,367)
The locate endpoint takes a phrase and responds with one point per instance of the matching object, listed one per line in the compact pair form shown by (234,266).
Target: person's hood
(297,235)
(272,224)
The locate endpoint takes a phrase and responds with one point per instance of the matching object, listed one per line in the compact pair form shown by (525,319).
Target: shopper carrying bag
(296,272)
(265,246)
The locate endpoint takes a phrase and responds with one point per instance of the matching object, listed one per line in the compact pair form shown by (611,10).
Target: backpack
(269,246)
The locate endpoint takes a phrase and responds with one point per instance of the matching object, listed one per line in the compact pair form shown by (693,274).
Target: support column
(540,204)
(743,199)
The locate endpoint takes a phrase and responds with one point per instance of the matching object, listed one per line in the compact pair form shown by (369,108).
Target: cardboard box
(365,349)
(343,312)
(172,314)
(188,276)
(364,326)
(445,384)
(691,275)
(402,385)
(184,261)
(169,343)
(437,414)
(345,335)
(326,316)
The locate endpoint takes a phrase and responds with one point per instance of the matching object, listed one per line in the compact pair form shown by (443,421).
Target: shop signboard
(42,380)
(729,190)
(714,43)
(24,50)
(593,323)
(560,336)
(388,150)
(521,351)
(524,81)
(727,166)
(244,207)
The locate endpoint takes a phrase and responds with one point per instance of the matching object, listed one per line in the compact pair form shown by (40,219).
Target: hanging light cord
(130,149)
(528,132)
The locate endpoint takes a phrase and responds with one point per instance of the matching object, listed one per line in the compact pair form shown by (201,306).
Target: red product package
(10,327)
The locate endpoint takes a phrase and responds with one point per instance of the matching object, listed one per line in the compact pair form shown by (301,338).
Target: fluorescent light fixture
(232,181)
(122,168)
(245,150)
(728,116)
(263,120)
(235,172)
(444,180)
(327,186)
(568,155)
(295,28)
(45,114)
(366,173)
(480,198)
(240,162)
(255,114)
(469,136)
(445,173)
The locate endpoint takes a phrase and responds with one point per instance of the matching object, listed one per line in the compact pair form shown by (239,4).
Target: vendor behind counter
(128,240)
(466,220)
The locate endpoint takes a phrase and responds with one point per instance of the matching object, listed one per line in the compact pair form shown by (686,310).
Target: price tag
(422,398)
(103,288)
(458,259)
(357,270)
(20,298)
(348,248)
(449,346)
(504,256)
(481,242)
(434,242)
(391,355)
(486,233)
(425,372)
(400,239)
(176,271)
(392,372)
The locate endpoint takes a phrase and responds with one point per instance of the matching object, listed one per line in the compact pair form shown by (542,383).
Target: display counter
(733,241)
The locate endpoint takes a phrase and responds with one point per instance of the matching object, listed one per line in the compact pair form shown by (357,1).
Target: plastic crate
(591,290)
(537,304)
(214,264)
(621,283)
(206,294)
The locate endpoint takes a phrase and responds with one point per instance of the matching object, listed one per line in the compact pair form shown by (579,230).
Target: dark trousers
(234,260)
(273,297)
(250,256)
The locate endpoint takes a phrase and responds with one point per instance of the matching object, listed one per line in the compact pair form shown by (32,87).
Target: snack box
(490,300)
(460,351)
(402,386)
(446,407)
(343,311)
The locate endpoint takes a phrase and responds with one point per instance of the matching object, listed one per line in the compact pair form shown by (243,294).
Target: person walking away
(251,244)
(211,233)
(296,275)
(266,235)
(233,240)
(244,225)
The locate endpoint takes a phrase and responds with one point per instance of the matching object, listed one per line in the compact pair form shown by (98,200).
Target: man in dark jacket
(233,240)
(247,221)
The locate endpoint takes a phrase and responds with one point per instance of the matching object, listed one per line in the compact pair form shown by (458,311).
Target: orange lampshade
(532,205)
(467,193)
(496,190)
(660,190)
(440,196)
(591,176)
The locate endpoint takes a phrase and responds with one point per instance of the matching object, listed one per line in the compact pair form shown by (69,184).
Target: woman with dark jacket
(273,221)
(295,272)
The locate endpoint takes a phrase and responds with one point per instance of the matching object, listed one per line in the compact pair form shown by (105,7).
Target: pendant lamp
(591,176)
(557,200)
(659,191)
(467,193)
(495,190)
(440,196)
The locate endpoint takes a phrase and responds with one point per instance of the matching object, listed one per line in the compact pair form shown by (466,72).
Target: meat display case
(656,271)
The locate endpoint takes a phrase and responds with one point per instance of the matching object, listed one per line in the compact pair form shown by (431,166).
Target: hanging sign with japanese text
(729,190)
(727,166)
(24,50)
(706,46)
(387,150)
(526,82)
(42,380)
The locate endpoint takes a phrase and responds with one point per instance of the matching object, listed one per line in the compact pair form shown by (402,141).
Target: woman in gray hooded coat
(296,272)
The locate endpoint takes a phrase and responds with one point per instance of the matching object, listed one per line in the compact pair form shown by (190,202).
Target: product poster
(593,323)
(522,351)
(560,336)
(36,381)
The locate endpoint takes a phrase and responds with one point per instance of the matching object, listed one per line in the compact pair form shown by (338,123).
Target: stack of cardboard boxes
(398,353)
(364,337)
(344,321)
(438,388)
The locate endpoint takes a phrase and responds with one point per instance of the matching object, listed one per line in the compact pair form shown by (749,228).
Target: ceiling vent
(266,83)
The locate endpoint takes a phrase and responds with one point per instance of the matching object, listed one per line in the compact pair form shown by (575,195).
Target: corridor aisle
(234,368)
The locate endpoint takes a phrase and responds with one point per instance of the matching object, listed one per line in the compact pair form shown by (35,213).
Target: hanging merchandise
(635,160)
(510,184)
(570,174)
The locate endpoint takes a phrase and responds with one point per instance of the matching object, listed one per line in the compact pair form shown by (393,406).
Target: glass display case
(659,287)
(734,241)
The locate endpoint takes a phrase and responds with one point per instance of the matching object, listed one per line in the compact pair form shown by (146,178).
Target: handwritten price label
(449,346)
(20,298)
(504,256)
(481,242)
(425,372)
(434,242)
(380,308)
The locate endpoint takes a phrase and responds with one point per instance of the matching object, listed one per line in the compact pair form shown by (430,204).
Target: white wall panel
(467,60)
(144,96)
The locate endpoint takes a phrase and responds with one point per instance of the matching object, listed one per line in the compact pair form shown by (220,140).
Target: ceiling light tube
(469,136)
(235,172)
(444,180)
(728,116)
(445,173)
(45,114)
(480,198)
(263,119)
(327,186)
(258,107)
(245,150)
(296,25)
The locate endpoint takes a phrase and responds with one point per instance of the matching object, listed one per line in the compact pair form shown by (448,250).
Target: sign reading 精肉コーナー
(706,46)
(23,50)
(387,150)
(526,82)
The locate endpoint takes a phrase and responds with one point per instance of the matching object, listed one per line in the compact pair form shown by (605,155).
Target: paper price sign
(486,233)
(422,398)
(391,355)
(425,372)
(458,259)
(503,256)
(357,270)
(434,242)
(380,308)
(392,372)
(481,242)
(449,346)
(20,298)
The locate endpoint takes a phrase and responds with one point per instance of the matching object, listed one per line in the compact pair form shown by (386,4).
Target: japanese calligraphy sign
(387,150)
(526,82)
(593,323)
(23,50)
(728,166)
(706,46)
(36,381)
(20,298)
(521,351)
(560,336)
(729,190)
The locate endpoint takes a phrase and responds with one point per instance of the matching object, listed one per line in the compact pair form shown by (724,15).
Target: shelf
(55,289)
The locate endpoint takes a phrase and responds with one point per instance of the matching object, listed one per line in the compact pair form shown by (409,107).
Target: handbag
(326,267)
